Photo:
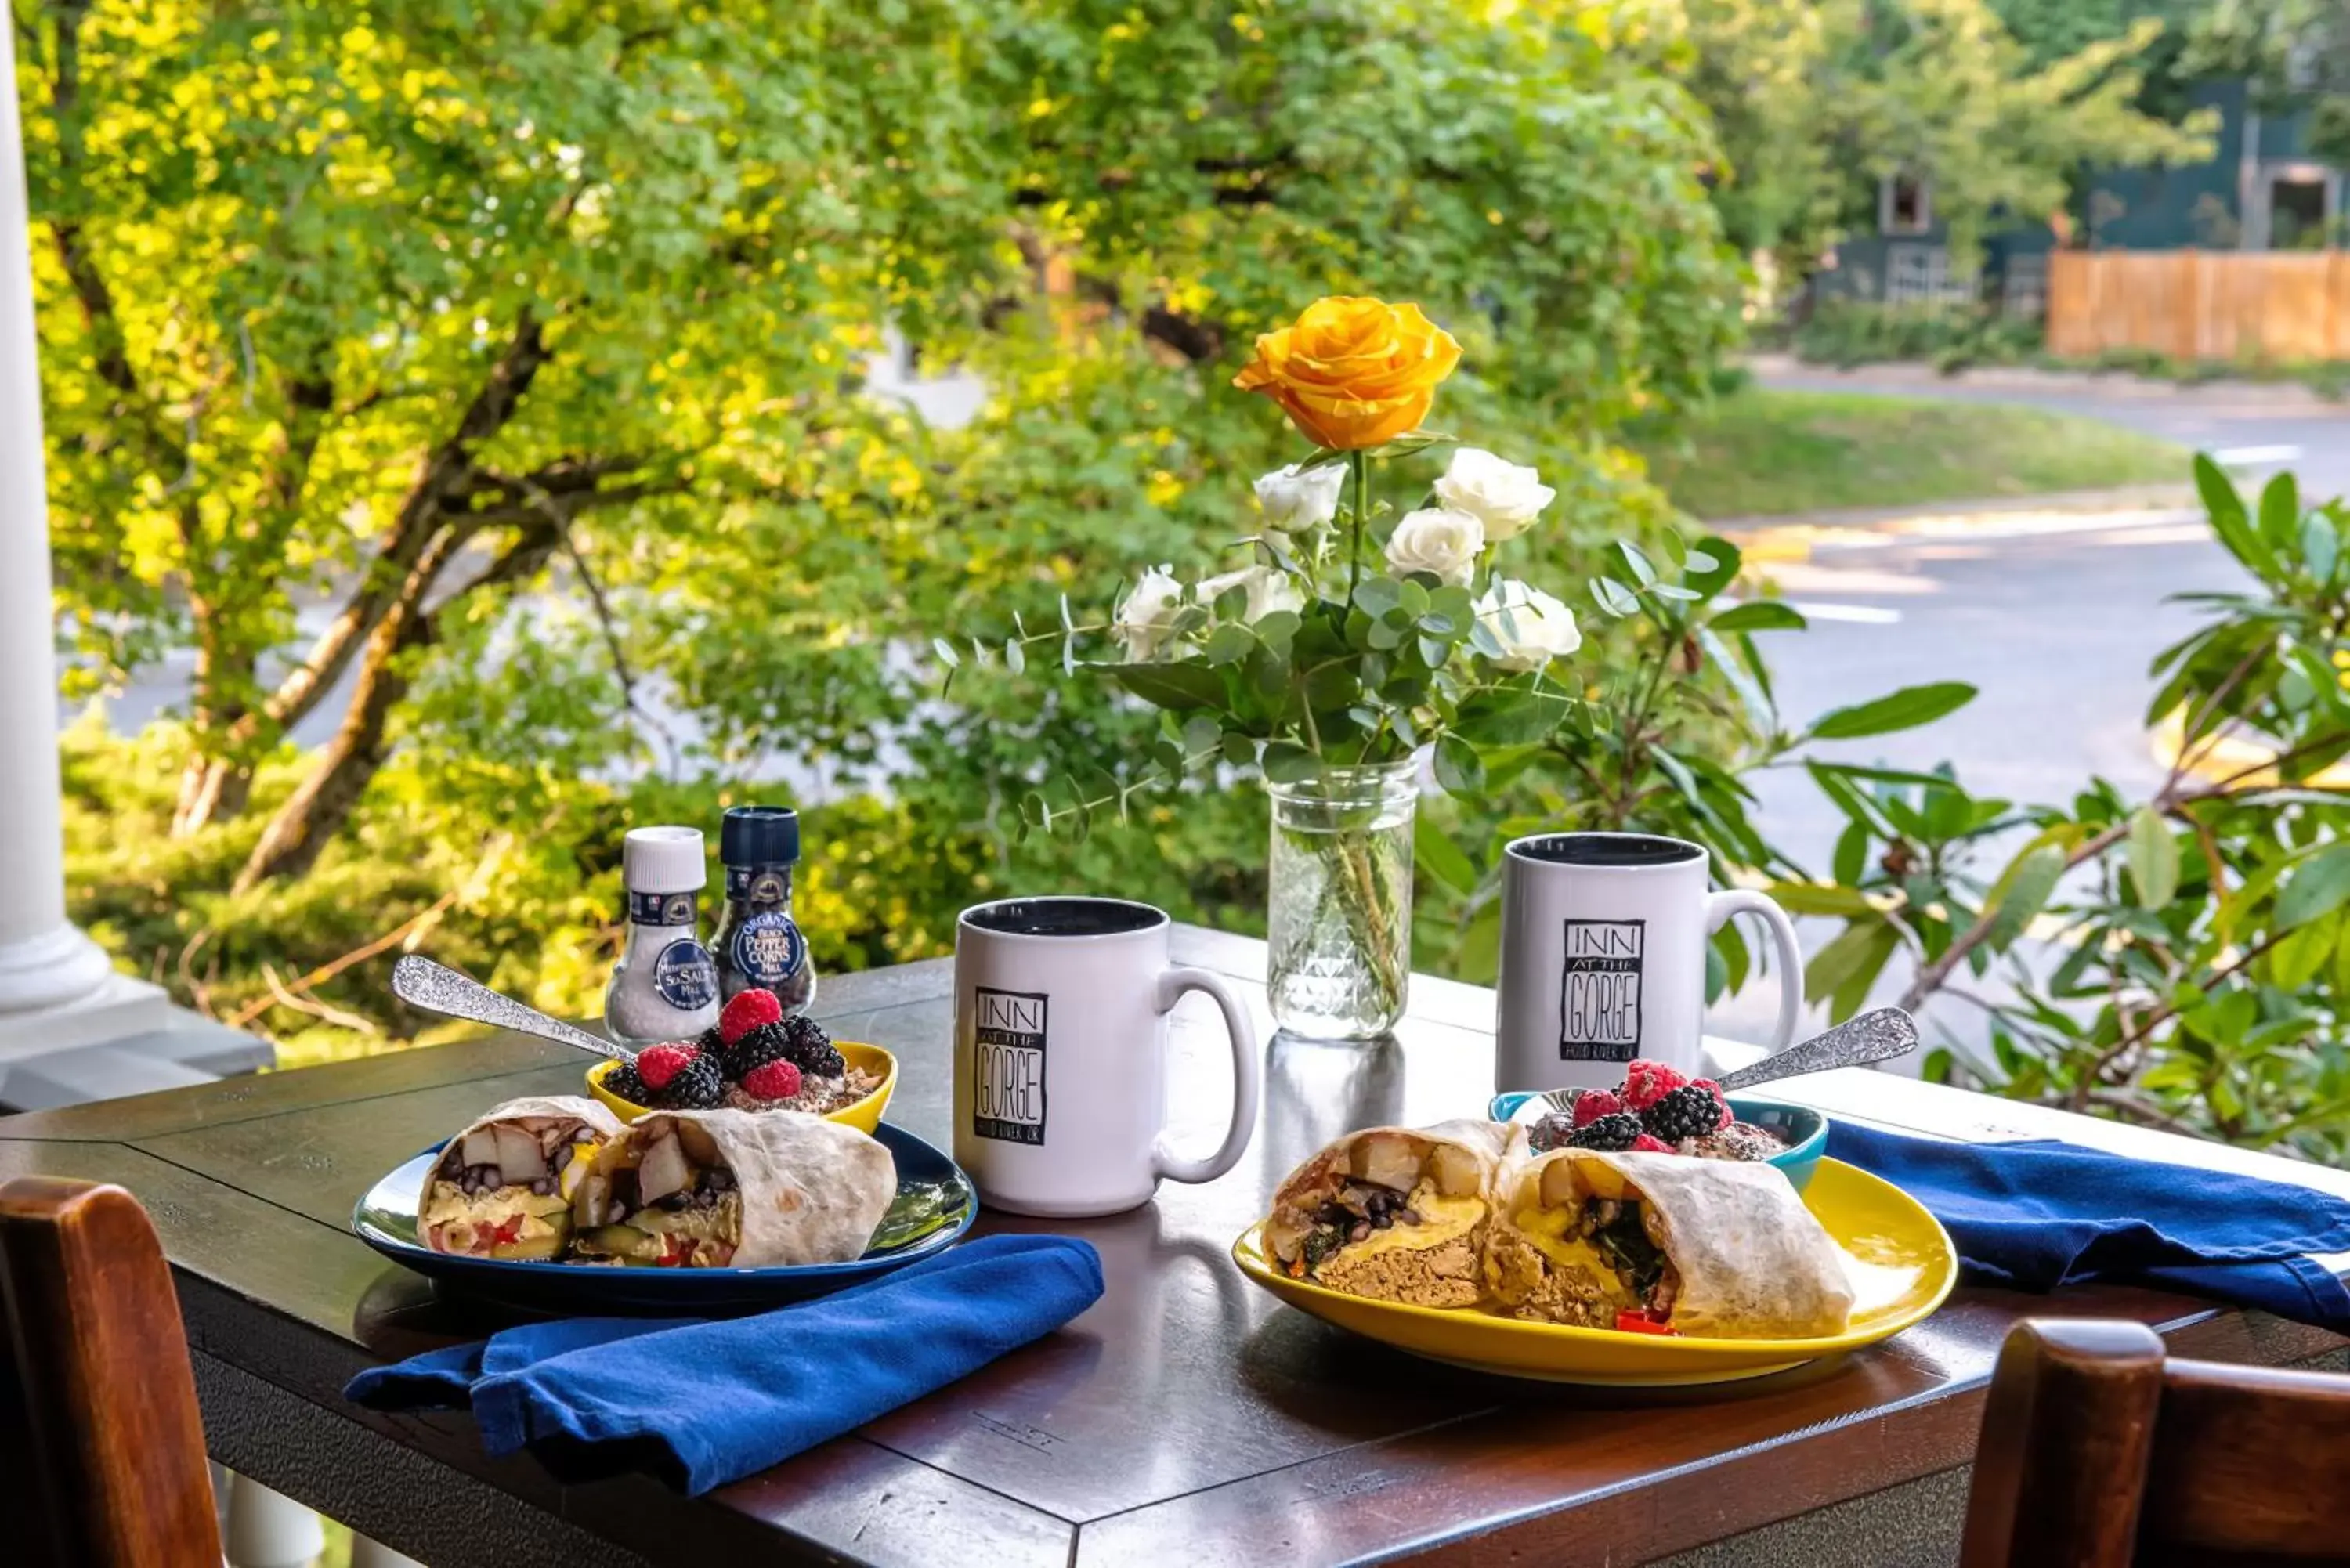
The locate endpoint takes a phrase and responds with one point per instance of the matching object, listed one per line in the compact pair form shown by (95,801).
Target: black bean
(705,1199)
(563,1156)
(1409,1215)
(1382,1218)
(674,1201)
(543,1187)
(1360,1232)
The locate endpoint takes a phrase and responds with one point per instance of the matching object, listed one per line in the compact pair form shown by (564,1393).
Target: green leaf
(2317,887)
(2321,545)
(1377,595)
(2153,858)
(1721,561)
(1643,572)
(1239,750)
(2294,961)
(946,652)
(1851,863)
(1614,596)
(1459,769)
(2280,512)
(2226,510)
(1015,658)
(1441,856)
(1903,709)
(2030,880)
(1511,716)
(1285,761)
(1819,898)
(1175,687)
(1229,644)
(1760,615)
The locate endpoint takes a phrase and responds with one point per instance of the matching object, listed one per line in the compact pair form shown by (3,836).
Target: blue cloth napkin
(2042,1214)
(706,1402)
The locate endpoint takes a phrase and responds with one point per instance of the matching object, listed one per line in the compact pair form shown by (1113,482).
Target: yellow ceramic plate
(1902,1265)
(864,1115)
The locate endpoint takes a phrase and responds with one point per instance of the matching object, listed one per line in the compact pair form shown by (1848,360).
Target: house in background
(2260,190)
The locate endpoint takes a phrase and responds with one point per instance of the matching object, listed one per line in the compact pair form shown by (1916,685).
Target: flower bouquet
(1353,650)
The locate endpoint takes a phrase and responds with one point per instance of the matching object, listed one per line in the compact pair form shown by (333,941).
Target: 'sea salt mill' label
(1599,992)
(684,975)
(1008,1077)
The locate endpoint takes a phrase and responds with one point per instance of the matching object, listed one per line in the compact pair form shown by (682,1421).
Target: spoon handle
(1876,1036)
(443,990)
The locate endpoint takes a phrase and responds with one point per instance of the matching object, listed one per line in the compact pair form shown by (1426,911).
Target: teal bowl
(1805,1129)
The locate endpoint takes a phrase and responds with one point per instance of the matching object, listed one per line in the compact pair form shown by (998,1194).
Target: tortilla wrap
(799,1189)
(1393,1213)
(1746,1260)
(566,1131)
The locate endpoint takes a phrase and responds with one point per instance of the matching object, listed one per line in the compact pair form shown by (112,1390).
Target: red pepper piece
(1628,1321)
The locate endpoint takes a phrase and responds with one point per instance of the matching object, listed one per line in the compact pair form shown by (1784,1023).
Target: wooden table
(1187,1417)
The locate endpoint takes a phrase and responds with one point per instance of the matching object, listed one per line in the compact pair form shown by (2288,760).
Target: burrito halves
(1701,1247)
(746,1190)
(1393,1213)
(502,1187)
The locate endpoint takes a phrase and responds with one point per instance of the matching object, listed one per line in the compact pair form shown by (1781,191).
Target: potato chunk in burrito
(502,1187)
(715,1189)
(1664,1244)
(1392,1214)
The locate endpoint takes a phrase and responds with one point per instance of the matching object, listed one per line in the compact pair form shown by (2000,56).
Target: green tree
(2295,54)
(1817,102)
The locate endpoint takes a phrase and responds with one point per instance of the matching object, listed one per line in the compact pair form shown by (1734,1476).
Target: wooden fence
(2286,306)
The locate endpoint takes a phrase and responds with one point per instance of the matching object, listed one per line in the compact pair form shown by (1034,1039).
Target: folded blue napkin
(2042,1214)
(706,1402)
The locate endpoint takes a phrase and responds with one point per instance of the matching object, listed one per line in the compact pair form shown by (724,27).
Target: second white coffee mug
(1060,1067)
(1602,957)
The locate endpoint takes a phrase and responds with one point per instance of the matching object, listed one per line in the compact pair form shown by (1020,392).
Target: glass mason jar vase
(1340,896)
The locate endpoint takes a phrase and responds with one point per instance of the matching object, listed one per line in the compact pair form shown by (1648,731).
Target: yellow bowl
(864,1115)
(1901,1260)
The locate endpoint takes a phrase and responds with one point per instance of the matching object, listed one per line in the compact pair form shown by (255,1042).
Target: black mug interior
(1621,850)
(1064,917)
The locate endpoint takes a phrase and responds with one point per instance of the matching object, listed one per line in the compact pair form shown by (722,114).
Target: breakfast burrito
(1659,1243)
(502,1187)
(1392,1214)
(745,1190)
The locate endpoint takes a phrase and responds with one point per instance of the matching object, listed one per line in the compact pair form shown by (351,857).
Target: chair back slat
(103,1403)
(2098,1452)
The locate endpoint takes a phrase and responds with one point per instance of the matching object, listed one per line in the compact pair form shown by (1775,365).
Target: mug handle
(1172,984)
(1719,906)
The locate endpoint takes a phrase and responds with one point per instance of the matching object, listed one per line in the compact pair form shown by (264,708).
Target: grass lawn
(1760,452)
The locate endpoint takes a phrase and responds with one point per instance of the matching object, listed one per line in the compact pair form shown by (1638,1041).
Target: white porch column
(47,966)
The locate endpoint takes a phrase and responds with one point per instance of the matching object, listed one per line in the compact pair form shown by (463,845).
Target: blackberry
(756,1048)
(698,1086)
(1614,1133)
(808,1047)
(626,1082)
(1685,1112)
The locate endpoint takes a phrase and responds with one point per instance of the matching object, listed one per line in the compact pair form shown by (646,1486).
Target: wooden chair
(2098,1452)
(98,1405)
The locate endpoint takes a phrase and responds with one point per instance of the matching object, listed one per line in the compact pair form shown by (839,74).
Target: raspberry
(747,1012)
(1645,1083)
(1614,1133)
(1644,1144)
(778,1080)
(656,1065)
(1593,1104)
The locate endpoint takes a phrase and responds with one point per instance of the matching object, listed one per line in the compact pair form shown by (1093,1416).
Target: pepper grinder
(665,986)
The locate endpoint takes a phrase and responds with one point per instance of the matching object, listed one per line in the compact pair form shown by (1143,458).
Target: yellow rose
(1352,372)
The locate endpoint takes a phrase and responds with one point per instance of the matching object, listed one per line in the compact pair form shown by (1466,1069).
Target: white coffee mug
(1060,1076)
(1602,958)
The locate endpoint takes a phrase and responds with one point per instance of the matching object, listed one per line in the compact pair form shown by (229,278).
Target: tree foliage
(2297,54)
(1816,102)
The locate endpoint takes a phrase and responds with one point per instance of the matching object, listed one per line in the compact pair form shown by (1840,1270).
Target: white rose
(1539,628)
(1437,539)
(1145,623)
(1503,495)
(1292,501)
(1269,589)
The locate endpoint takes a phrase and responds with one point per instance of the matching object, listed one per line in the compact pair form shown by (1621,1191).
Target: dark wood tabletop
(1187,1417)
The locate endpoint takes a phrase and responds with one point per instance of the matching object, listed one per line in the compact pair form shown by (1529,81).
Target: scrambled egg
(455,1222)
(1547,1230)
(1441,1220)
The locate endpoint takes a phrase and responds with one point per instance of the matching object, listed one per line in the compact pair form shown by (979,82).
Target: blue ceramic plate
(1805,1129)
(934,1205)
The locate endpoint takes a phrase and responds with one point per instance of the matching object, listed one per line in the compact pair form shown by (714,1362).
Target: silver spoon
(1877,1036)
(442,990)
